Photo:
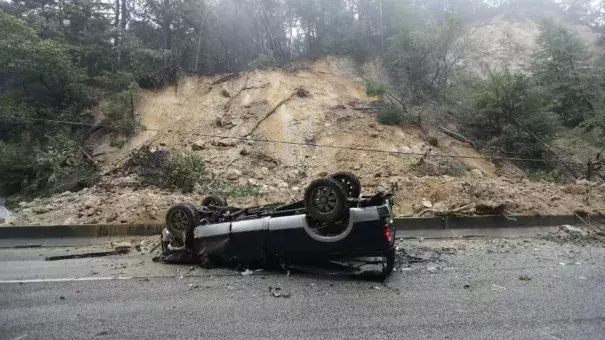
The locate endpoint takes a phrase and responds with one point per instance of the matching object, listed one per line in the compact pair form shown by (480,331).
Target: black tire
(350,182)
(390,264)
(214,200)
(181,220)
(326,200)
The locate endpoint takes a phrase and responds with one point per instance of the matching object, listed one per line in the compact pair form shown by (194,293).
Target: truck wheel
(181,220)
(389,265)
(214,200)
(325,200)
(350,182)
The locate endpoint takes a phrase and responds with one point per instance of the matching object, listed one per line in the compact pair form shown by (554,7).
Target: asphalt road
(462,289)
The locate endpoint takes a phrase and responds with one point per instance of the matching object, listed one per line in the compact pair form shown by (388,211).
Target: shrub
(509,115)
(391,115)
(185,170)
(179,170)
(59,165)
(375,89)
(263,61)
(119,109)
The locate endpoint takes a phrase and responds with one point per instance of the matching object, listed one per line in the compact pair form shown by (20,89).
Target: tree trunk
(116,41)
(166,31)
(125,14)
(381,29)
(199,37)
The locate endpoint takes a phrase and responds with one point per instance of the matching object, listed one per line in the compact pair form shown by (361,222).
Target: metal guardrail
(402,224)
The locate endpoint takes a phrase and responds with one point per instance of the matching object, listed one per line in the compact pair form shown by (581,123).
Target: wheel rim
(179,220)
(324,199)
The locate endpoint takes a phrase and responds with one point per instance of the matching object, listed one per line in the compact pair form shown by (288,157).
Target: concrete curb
(402,224)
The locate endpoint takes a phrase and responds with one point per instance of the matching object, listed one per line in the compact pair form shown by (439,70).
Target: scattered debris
(573,230)
(225,93)
(277,292)
(302,92)
(525,278)
(62,297)
(497,288)
(154,248)
(80,256)
(123,246)
(376,287)
(247,272)
(467,286)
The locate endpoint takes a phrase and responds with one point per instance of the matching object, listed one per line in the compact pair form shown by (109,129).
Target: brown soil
(187,115)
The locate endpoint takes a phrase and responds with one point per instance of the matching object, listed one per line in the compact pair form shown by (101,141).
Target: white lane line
(68,279)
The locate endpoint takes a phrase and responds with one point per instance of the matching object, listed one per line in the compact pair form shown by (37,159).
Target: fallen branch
(466,208)
(80,256)
(457,136)
(271,112)
(225,78)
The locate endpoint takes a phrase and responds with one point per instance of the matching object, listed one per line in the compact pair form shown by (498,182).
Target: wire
(403,153)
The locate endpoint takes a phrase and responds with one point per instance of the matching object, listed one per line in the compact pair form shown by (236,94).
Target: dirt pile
(510,41)
(227,119)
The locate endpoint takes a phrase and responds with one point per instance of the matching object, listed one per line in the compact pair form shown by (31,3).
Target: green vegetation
(82,61)
(163,169)
(508,113)
(375,89)
(56,64)
(391,115)
(185,170)
(263,61)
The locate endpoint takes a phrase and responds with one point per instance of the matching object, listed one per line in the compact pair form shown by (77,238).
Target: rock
(282,184)
(198,145)
(162,143)
(573,230)
(244,151)
(112,217)
(322,174)
(586,182)
(236,121)
(43,209)
(356,167)
(426,203)
(2,220)
(295,188)
(374,135)
(225,93)
(252,182)
(22,204)
(92,202)
(121,246)
(476,173)
(233,174)
(227,143)
(242,182)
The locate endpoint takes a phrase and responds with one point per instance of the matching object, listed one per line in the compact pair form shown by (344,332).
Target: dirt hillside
(320,102)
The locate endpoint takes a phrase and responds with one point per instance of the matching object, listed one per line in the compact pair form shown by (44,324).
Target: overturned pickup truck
(333,225)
